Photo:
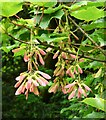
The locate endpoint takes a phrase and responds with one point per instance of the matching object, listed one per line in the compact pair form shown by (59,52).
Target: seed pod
(44,80)
(44,75)
(79,69)
(36,92)
(70,85)
(41,59)
(28,84)
(71,74)
(35,65)
(29,66)
(54,87)
(72,94)
(64,90)
(35,83)
(56,70)
(17,49)
(26,93)
(56,54)
(81,60)
(41,51)
(73,56)
(59,72)
(26,58)
(23,89)
(40,81)
(75,71)
(64,55)
(17,84)
(48,49)
(86,87)
(19,90)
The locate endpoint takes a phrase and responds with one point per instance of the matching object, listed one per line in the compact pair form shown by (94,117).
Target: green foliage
(9,9)
(96,24)
(99,103)
(30,26)
(91,13)
(95,115)
(47,18)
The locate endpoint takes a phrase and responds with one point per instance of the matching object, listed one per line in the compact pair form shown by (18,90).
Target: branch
(87,35)
(58,48)
(54,47)
(41,16)
(14,37)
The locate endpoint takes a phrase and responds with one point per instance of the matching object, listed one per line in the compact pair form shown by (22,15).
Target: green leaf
(48,38)
(95,65)
(78,5)
(8,48)
(98,73)
(98,103)
(97,24)
(85,4)
(52,10)
(45,3)
(91,13)
(21,53)
(95,115)
(46,18)
(10,8)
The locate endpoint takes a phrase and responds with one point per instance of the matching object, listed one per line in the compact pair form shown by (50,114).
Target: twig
(56,48)
(41,15)
(14,37)
(86,35)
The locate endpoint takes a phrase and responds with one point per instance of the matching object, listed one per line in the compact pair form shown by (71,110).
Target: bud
(82,91)
(71,74)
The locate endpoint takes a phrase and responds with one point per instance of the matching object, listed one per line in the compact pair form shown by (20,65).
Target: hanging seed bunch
(30,80)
